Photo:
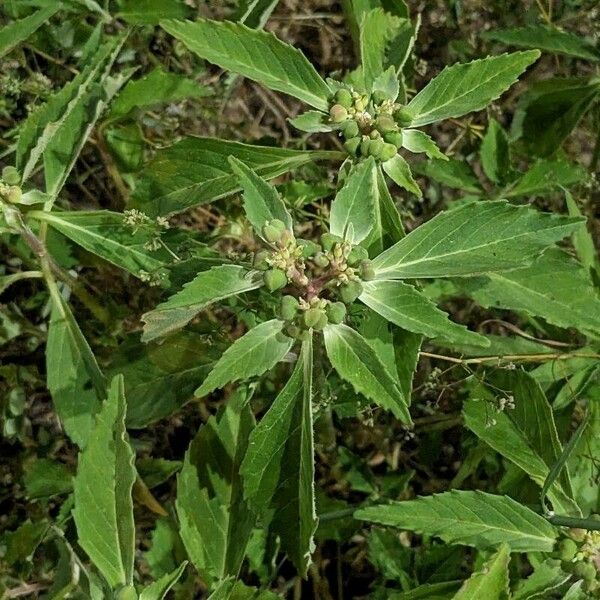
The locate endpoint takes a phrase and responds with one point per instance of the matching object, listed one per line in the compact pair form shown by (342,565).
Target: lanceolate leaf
(253,354)
(262,202)
(278,469)
(473,239)
(495,153)
(450,172)
(546,175)
(196,170)
(491,582)
(399,171)
(103,506)
(208,287)
(254,54)
(354,203)
(471,518)
(14,33)
(74,379)
(216,522)
(417,141)
(159,589)
(405,306)
(356,362)
(464,88)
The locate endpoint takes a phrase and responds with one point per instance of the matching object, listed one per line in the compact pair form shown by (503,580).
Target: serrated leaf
(545,37)
(356,362)
(278,469)
(159,589)
(73,375)
(103,510)
(253,354)
(547,577)
(257,55)
(354,203)
(405,306)
(196,170)
(262,202)
(451,172)
(417,141)
(464,88)
(14,33)
(554,287)
(209,286)
(491,582)
(399,171)
(150,12)
(495,153)
(473,239)
(546,175)
(471,518)
(215,520)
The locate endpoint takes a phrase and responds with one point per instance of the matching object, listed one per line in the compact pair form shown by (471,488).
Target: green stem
(575,522)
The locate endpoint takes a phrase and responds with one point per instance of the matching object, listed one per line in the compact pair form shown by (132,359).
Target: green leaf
(470,518)
(428,591)
(547,38)
(230,589)
(582,239)
(257,55)
(45,478)
(491,582)
(105,234)
(215,521)
(196,170)
(23,542)
(398,170)
(554,287)
(208,287)
(547,578)
(353,205)
(405,306)
(157,87)
(262,202)
(451,172)
(495,153)
(159,589)
(73,376)
(475,238)
(103,510)
(416,141)
(126,144)
(278,469)
(464,88)
(356,362)
(150,12)
(255,13)
(259,350)
(14,33)
(312,121)
(546,175)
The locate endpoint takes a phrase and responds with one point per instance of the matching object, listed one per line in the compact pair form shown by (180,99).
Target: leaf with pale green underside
(495,153)
(278,470)
(417,141)
(262,202)
(105,234)
(159,589)
(491,582)
(354,203)
(555,287)
(14,33)
(253,354)
(464,88)
(470,518)
(546,38)
(405,306)
(103,510)
(196,171)
(215,520)
(356,362)
(398,170)
(451,172)
(312,121)
(473,239)
(257,55)
(74,378)
(547,175)
(207,287)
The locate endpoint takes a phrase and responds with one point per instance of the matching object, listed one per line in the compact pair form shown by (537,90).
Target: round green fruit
(260,260)
(14,194)
(288,308)
(343,97)
(387,152)
(567,549)
(321,260)
(11,176)
(357,254)
(375,147)
(329,240)
(394,137)
(385,124)
(350,291)
(367,272)
(379,97)
(585,570)
(351,146)
(309,248)
(273,230)
(275,279)
(313,316)
(350,129)
(402,117)
(336,312)
(338,113)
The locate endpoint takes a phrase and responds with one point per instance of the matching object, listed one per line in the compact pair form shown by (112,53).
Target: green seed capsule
(288,308)
(367,272)
(364,145)
(343,97)
(274,230)
(292,330)
(11,176)
(350,129)
(260,260)
(14,194)
(275,279)
(338,113)
(402,117)
(375,147)
(350,291)
(329,240)
(321,260)
(385,124)
(351,146)
(309,248)
(336,312)
(322,322)
(585,570)
(127,593)
(357,254)
(394,137)
(567,549)
(387,151)
(312,316)
(379,97)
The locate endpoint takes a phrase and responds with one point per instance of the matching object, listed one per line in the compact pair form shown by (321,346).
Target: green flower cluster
(370,125)
(320,279)
(581,558)
(9,185)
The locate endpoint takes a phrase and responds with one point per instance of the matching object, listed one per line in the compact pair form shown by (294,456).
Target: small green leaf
(582,239)
(356,362)
(416,141)
(546,175)
(257,55)
(464,88)
(471,518)
(254,353)
(45,478)
(451,172)
(491,582)
(103,510)
(353,204)
(159,589)
(312,121)
(262,202)
(14,33)
(150,12)
(278,469)
(399,171)
(495,153)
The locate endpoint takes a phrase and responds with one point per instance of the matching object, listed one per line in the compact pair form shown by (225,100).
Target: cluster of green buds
(581,557)
(320,279)
(370,125)
(10,190)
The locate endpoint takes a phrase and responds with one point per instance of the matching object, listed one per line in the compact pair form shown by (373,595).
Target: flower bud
(367,272)
(387,151)
(402,117)
(385,124)
(357,254)
(343,97)
(350,129)
(350,291)
(275,279)
(393,137)
(351,146)
(336,312)
(288,308)
(338,113)
(329,240)
(309,248)
(11,176)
